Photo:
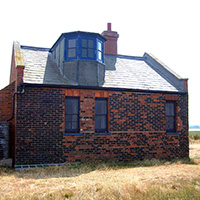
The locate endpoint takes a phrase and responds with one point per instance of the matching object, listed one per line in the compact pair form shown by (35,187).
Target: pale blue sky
(169,29)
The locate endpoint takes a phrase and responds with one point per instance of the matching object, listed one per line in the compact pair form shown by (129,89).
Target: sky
(169,29)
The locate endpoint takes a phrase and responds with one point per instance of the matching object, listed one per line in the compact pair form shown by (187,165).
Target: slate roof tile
(121,71)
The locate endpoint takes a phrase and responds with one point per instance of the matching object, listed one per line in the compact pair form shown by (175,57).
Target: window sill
(102,133)
(66,134)
(172,133)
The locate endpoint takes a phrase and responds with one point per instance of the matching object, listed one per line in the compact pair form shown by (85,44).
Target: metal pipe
(13,101)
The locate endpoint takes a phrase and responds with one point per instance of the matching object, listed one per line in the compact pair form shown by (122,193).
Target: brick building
(81,101)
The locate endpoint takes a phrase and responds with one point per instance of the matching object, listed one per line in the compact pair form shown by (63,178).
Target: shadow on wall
(52,74)
(110,62)
(4,140)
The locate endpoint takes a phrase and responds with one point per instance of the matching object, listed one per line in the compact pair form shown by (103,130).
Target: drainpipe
(13,100)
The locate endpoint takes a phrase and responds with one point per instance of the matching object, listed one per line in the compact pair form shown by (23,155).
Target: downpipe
(13,100)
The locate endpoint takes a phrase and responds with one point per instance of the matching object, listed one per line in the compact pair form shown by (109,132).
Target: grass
(149,179)
(194,135)
(142,180)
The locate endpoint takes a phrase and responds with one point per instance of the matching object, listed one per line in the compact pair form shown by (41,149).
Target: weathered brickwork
(6,95)
(40,126)
(136,127)
(6,102)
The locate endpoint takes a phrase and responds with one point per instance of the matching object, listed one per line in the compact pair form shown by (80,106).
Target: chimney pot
(109,26)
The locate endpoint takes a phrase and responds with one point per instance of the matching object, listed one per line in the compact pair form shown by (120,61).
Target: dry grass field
(150,179)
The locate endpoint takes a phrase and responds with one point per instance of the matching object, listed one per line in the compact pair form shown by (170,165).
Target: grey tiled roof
(133,73)
(121,72)
(40,68)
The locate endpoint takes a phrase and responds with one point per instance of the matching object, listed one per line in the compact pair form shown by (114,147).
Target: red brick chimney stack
(111,40)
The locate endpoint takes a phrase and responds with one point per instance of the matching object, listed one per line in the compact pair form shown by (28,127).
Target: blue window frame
(101,115)
(72,114)
(170,116)
(84,46)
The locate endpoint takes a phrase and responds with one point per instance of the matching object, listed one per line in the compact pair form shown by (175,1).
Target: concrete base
(6,162)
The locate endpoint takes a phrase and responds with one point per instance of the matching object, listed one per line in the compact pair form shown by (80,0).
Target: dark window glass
(84,52)
(90,53)
(171,116)
(87,48)
(71,53)
(101,115)
(72,43)
(72,115)
(90,44)
(71,48)
(84,43)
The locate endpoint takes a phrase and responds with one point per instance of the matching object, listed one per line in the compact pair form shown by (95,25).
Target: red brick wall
(136,125)
(6,102)
(6,95)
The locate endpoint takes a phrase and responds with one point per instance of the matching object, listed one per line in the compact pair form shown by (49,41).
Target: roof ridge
(127,57)
(131,57)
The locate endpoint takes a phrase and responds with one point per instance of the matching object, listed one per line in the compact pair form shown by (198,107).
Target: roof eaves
(102,88)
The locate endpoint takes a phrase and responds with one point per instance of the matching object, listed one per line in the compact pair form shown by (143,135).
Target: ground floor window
(101,115)
(72,114)
(171,116)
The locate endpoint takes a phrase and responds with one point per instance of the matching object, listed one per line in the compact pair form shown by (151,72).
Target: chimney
(110,45)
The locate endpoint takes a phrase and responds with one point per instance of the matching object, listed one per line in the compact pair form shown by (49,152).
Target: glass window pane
(68,125)
(68,118)
(101,107)
(68,108)
(100,123)
(97,107)
(99,55)
(71,53)
(71,106)
(170,109)
(97,122)
(99,46)
(84,52)
(84,43)
(74,108)
(74,118)
(103,122)
(74,125)
(101,114)
(72,114)
(90,44)
(170,123)
(90,53)
(72,43)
